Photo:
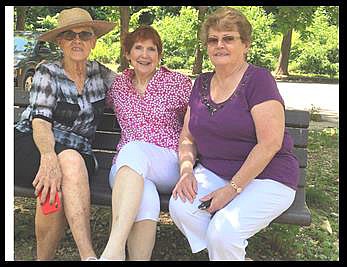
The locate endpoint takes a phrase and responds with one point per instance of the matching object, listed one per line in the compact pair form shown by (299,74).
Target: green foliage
(261,52)
(104,52)
(143,16)
(286,17)
(317,50)
(178,34)
(314,49)
(47,23)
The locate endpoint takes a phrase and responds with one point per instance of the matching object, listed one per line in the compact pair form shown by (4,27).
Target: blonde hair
(227,19)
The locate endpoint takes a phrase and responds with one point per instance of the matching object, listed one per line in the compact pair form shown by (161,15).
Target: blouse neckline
(129,73)
(205,91)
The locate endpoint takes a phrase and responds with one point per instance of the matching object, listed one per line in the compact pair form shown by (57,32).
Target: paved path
(304,96)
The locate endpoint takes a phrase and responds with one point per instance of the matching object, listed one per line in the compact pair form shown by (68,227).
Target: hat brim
(100,28)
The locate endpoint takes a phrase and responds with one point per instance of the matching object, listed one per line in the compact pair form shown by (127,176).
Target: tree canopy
(299,39)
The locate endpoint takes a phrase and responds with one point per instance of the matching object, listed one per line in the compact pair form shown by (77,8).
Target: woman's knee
(131,158)
(130,149)
(178,209)
(150,203)
(223,233)
(72,165)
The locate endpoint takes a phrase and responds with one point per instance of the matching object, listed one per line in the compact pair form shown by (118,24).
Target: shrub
(261,52)
(107,49)
(317,48)
(178,34)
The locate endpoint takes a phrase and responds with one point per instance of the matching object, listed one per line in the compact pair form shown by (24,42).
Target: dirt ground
(170,245)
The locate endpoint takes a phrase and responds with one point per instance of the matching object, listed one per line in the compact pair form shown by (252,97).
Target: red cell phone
(47,208)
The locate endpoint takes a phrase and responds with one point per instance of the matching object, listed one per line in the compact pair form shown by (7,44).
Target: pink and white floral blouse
(155,117)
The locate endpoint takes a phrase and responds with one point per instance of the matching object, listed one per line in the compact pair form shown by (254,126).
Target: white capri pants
(225,234)
(157,165)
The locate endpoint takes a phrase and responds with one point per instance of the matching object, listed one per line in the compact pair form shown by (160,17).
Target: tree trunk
(124,25)
(282,68)
(20,23)
(197,67)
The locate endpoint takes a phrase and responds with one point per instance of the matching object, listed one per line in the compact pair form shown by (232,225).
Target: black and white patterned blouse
(55,98)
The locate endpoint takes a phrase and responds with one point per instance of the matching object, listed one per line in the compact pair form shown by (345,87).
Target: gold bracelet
(236,187)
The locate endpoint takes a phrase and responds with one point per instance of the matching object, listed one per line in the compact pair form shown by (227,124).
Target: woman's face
(77,47)
(144,57)
(225,47)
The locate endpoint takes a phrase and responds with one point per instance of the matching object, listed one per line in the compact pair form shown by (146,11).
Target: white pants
(157,165)
(225,234)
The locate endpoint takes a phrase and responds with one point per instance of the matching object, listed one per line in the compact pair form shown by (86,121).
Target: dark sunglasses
(213,41)
(71,35)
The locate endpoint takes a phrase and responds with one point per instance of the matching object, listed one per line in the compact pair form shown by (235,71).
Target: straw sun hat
(77,17)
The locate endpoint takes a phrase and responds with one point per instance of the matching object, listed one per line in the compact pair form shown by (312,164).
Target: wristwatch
(236,187)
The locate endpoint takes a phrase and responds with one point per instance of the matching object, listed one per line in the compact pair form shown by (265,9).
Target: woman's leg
(254,209)
(126,198)
(162,176)
(158,168)
(191,221)
(76,200)
(49,230)
(141,240)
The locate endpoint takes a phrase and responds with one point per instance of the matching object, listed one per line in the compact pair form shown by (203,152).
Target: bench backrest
(107,137)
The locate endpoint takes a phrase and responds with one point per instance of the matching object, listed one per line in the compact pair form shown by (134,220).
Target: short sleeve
(262,87)
(43,94)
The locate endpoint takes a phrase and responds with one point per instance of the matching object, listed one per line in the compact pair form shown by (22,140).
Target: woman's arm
(186,187)
(269,123)
(48,177)
(187,147)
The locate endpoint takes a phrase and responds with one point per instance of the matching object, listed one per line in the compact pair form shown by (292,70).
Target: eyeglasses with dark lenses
(71,35)
(229,39)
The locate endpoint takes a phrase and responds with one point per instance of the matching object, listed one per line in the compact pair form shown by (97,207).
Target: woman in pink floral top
(149,104)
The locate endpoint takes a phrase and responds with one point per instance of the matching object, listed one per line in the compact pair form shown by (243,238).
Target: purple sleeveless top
(225,134)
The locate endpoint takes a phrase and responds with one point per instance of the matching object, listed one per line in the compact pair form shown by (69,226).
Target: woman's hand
(220,198)
(48,177)
(186,187)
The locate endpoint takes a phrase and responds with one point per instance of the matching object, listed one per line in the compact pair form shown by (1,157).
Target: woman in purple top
(234,124)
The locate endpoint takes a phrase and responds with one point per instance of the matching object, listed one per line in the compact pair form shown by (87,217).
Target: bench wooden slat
(106,140)
(109,123)
(297,118)
(299,135)
(298,213)
(104,159)
(301,155)
(101,193)
(104,144)
(302,177)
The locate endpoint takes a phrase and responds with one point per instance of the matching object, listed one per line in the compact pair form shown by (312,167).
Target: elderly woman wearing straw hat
(54,135)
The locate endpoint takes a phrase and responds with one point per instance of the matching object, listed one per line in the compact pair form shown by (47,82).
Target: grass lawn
(319,241)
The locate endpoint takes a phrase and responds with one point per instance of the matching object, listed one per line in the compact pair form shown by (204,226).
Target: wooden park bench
(108,134)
